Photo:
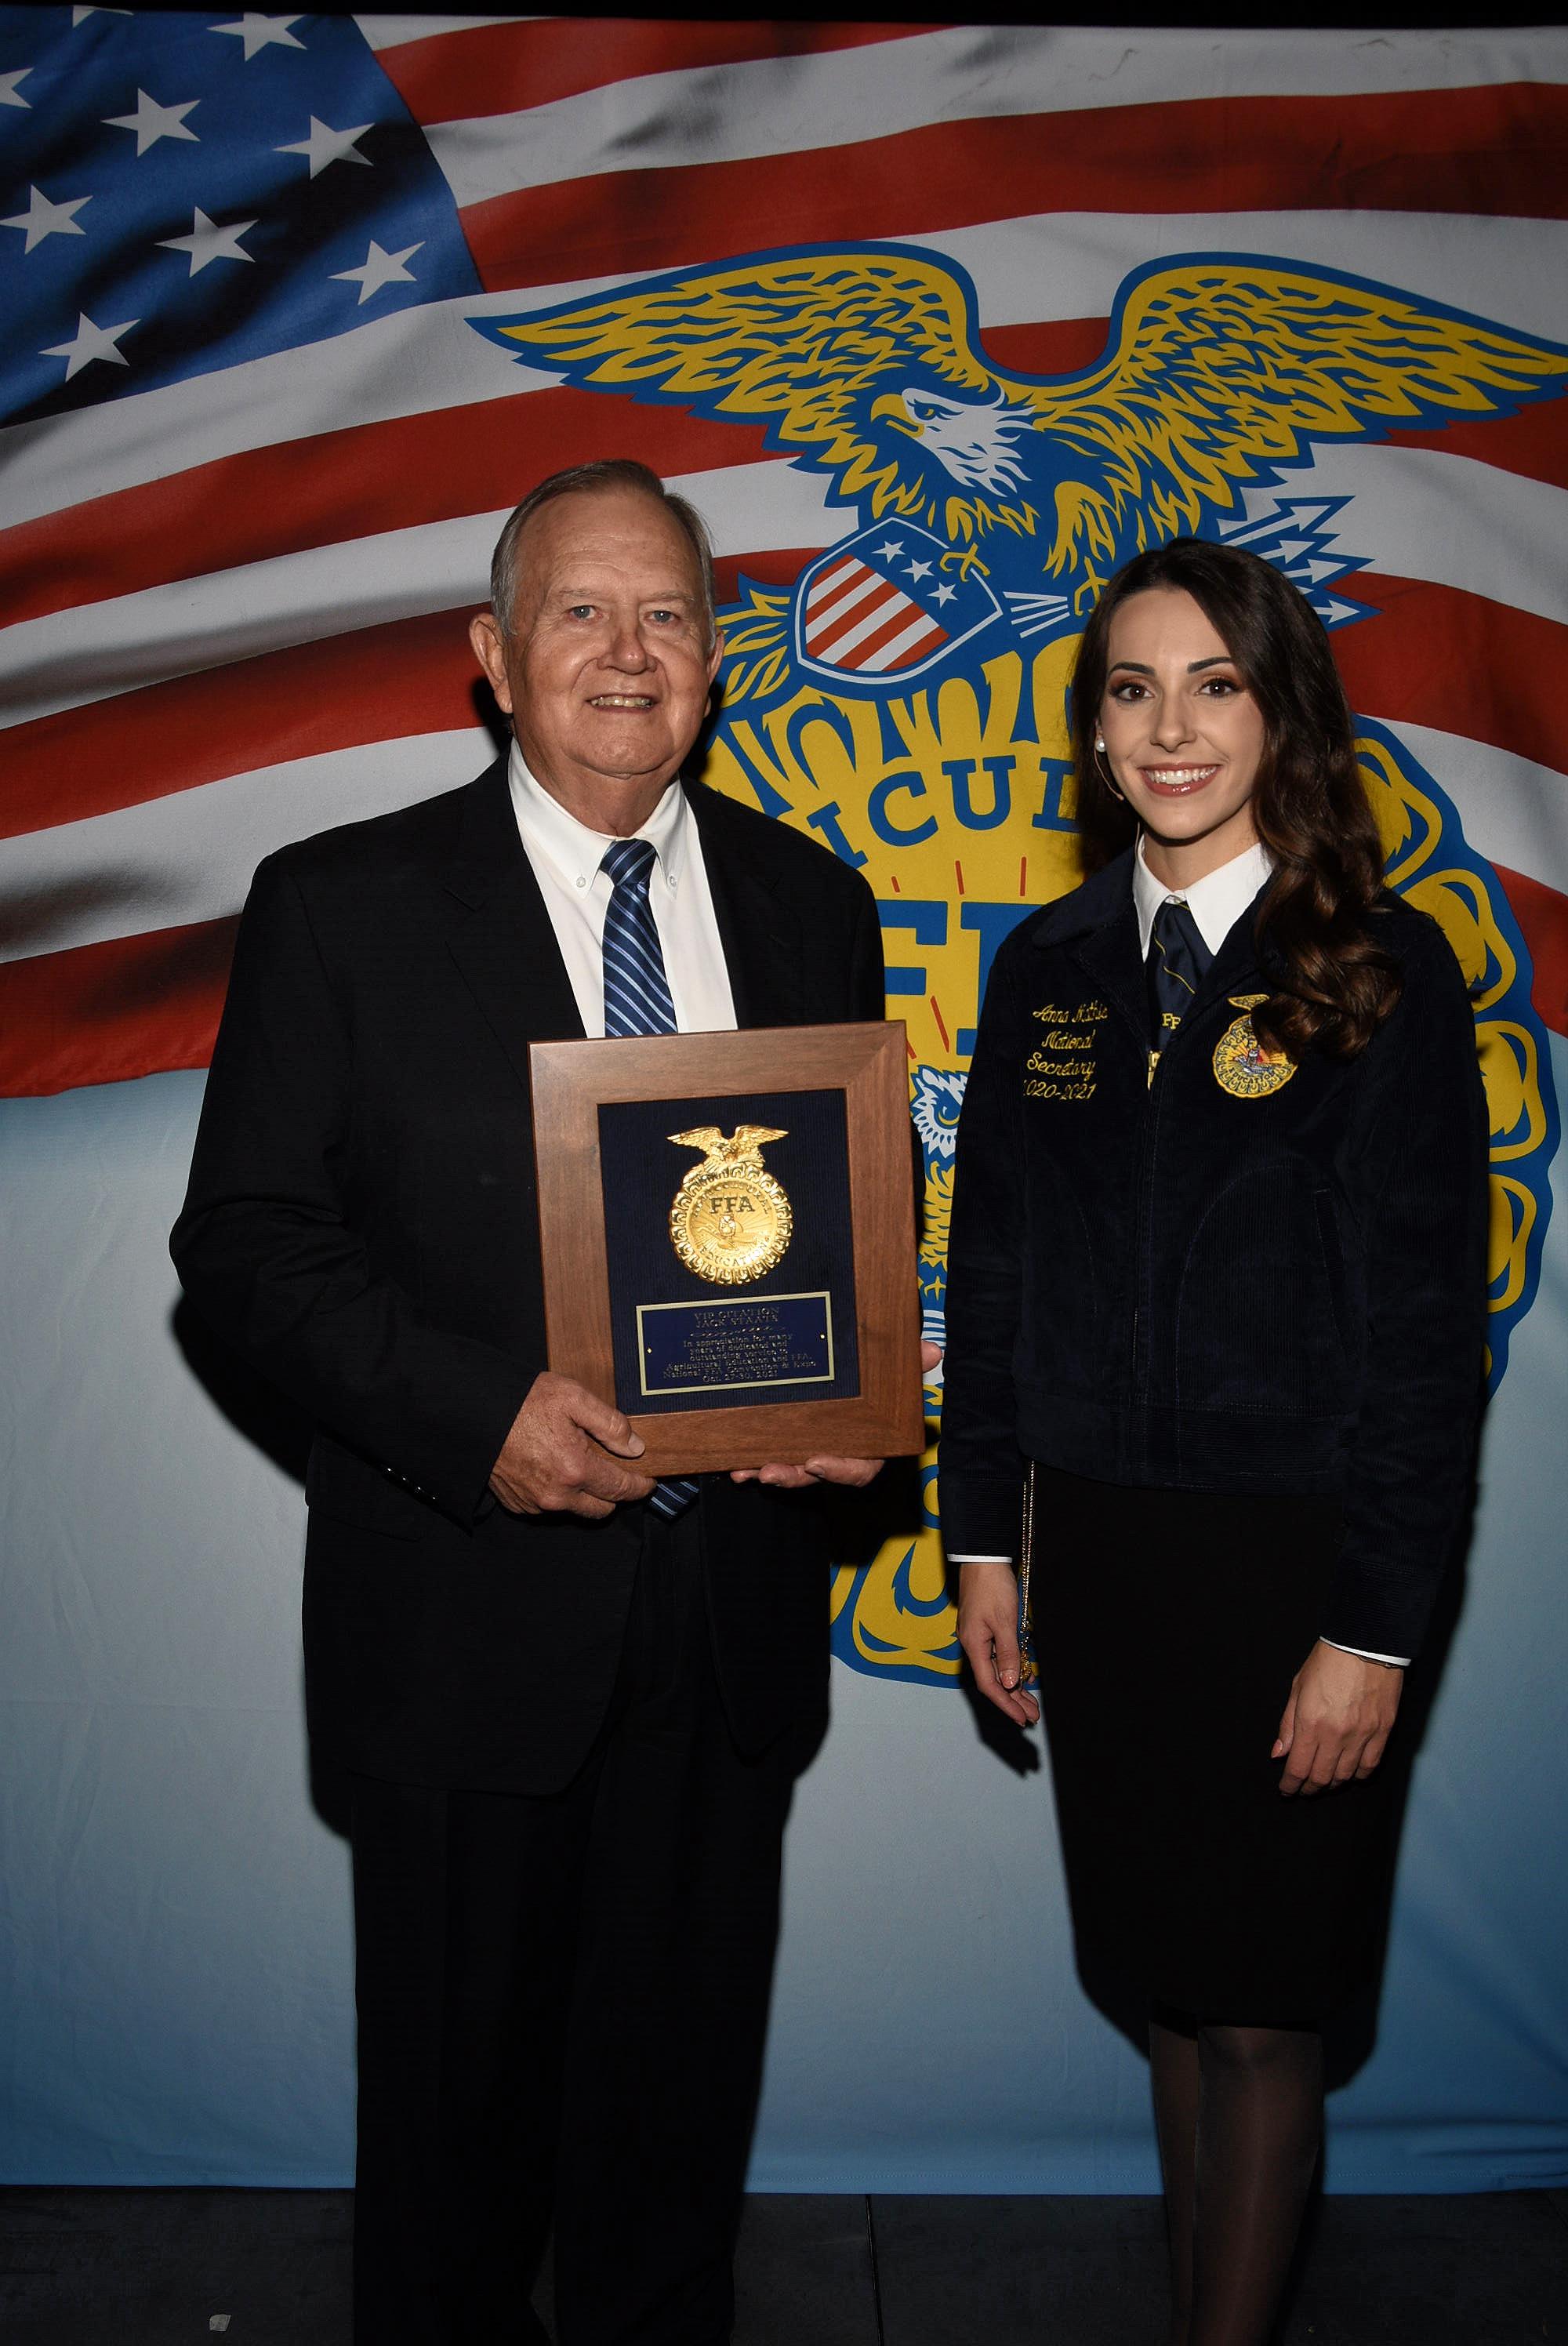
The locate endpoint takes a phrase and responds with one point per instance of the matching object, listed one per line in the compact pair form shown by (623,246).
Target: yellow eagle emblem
(904,699)
(865,366)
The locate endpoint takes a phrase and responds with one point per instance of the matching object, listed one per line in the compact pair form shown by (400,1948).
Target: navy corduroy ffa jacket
(1277,1286)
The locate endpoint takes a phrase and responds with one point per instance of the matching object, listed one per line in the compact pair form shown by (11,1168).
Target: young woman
(1216,1291)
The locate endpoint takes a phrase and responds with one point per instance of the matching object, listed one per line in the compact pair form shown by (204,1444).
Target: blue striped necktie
(637,1000)
(1177,961)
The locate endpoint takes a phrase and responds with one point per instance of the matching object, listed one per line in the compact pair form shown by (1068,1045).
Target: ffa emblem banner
(935,335)
(905,697)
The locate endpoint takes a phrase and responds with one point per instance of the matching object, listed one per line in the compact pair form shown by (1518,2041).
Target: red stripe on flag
(134,1006)
(1051,346)
(104,1012)
(835,579)
(1542,914)
(1430,656)
(854,618)
(897,625)
(1533,443)
(366,478)
(831,587)
(342,486)
(881,617)
(1489,151)
(411,676)
(922,648)
(777,569)
(1436,656)
(459,76)
(835,596)
(417,469)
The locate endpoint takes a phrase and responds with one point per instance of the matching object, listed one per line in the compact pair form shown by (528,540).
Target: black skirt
(1168,1626)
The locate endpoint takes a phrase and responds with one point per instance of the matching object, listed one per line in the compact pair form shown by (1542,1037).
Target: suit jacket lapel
(759,932)
(1111,957)
(500,934)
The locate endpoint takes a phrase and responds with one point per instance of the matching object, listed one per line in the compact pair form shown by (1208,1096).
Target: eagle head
(973,439)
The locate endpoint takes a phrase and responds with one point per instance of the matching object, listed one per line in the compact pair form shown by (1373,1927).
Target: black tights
(1239,2112)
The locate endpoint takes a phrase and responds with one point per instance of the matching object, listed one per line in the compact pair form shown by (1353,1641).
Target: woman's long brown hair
(1311,807)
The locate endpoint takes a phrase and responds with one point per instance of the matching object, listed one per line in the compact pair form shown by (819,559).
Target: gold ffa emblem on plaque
(1243,1066)
(730,1220)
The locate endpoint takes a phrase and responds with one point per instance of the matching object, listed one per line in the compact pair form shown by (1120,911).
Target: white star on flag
(944,593)
(90,342)
(893,545)
(324,145)
(378,269)
(208,242)
(920,570)
(259,32)
(152,122)
(9,92)
(44,218)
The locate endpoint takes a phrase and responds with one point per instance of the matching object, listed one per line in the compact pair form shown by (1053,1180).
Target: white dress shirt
(1217,903)
(566,856)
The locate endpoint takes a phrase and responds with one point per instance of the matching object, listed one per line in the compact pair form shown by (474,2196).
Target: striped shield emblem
(891,603)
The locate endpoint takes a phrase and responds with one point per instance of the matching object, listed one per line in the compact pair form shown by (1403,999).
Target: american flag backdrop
(927,319)
(256,453)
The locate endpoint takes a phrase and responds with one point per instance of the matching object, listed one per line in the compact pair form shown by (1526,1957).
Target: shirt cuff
(1394,1661)
(980,1559)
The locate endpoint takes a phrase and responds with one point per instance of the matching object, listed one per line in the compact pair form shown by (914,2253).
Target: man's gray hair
(576,480)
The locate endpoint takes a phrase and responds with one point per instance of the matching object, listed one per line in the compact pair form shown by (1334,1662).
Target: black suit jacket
(360,1223)
(1188,1285)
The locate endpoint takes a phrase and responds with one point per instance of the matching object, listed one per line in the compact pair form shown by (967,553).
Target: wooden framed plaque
(726,1224)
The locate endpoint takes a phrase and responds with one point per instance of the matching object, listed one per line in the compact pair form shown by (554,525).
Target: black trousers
(562,2005)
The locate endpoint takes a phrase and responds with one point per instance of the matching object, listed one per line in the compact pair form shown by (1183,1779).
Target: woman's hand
(988,1632)
(1337,1722)
(855,1473)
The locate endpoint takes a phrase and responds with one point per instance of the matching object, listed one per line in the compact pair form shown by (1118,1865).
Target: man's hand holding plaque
(560,1454)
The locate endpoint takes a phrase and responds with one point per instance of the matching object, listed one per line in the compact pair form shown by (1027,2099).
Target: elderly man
(571,1703)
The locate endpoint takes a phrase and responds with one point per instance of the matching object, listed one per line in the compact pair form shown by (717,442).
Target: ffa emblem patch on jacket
(1242,1067)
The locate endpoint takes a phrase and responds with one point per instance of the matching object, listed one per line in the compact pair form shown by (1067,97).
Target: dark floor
(272,2268)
